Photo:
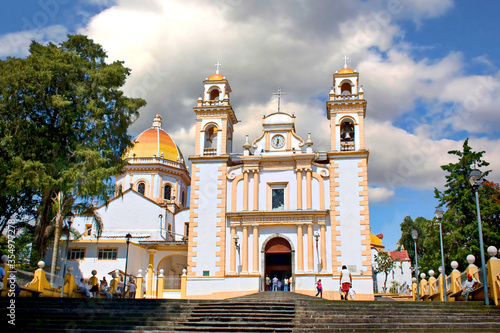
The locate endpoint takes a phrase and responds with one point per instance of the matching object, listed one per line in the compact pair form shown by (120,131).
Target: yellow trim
(321,185)
(192,215)
(245,190)
(255,259)
(234,192)
(335,222)
(167,256)
(289,140)
(300,248)
(310,248)
(361,130)
(244,252)
(299,189)
(255,190)
(308,190)
(107,248)
(322,229)
(221,220)
(232,263)
(77,248)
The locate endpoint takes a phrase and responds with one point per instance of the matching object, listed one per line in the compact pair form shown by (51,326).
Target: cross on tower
(217,65)
(345,61)
(279,93)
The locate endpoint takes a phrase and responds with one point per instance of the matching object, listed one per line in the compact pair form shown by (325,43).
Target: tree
(63,121)
(385,264)
(406,241)
(460,230)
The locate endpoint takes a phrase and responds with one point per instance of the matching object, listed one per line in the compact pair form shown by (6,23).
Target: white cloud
(17,43)
(379,194)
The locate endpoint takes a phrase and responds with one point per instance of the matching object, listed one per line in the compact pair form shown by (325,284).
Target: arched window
(141,188)
(183,199)
(347,131)
(210,140)
(214,95)
(345,88)
(167,192)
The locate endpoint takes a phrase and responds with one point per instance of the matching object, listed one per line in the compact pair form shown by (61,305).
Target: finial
(247,144)
(217,65)
(157,121)
(309,141)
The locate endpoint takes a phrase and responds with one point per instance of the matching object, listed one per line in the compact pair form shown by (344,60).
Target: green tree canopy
(63,127)
(460,228)
(385,264)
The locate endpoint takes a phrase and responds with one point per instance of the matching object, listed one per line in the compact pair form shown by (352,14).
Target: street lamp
(316,236)
(414,235)
(439,216)
(70,219)
(236,243)
(474,179)
(128,236)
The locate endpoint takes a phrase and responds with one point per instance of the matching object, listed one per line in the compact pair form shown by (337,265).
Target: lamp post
(70,219)
(439,216)
(236,245)
(127,236)
(414,235)
(474,179)
(316,236)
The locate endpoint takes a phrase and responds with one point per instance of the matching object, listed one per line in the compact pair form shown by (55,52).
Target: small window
(76,254)
(183,199)
(107,254)
(278,199)
(167,192)
(141,188)
(88,230)
(186,229)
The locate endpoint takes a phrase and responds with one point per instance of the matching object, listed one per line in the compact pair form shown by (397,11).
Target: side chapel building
(277,208)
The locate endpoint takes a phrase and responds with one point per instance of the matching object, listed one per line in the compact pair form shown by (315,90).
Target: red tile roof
(399,255)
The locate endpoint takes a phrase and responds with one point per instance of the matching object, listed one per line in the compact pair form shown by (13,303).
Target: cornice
(281,217)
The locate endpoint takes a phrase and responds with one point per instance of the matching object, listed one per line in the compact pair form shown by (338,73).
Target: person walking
(319,287)
(345,282)
(275,283)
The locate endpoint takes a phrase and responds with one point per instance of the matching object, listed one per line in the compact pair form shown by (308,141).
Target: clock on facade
(278,141)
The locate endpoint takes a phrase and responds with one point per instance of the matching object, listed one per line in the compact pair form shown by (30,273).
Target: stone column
(232,259)
(322,229)
(310,248)
(299,189)
(308,189)
(244,252)
(300,249)
(255,190)
(255,257)
(245,190)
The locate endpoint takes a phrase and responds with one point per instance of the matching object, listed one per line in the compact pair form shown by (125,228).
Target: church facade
(276,208)
(279,209)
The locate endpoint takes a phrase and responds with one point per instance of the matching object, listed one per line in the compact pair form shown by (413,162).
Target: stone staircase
(263,312)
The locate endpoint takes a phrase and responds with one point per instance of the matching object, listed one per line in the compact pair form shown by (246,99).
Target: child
(352,293)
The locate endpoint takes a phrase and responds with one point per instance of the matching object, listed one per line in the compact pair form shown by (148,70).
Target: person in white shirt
(468,286)
(83,287)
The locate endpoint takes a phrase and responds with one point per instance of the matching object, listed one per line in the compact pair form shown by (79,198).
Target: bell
(347,136)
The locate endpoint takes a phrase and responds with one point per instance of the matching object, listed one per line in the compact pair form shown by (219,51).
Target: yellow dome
(374,240)
(346,71)
(156,142)
(215,77)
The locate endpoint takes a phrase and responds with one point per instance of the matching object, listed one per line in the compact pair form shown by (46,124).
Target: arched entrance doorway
(278,259)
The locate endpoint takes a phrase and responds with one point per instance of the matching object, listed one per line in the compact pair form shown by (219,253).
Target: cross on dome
(217,65)
(345,61)
(279,93)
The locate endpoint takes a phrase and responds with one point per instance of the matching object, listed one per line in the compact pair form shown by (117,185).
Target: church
(274,207)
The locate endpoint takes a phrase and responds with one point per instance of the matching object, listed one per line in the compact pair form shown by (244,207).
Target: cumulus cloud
(17,43)
(379,194)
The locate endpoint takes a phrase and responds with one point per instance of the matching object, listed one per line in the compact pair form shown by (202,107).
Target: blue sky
(429,69)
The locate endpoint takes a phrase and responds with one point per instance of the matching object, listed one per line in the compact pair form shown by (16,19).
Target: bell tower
(346,109)
(215,118)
